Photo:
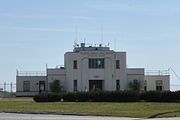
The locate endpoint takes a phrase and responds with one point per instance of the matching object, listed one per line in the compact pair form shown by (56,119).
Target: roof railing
(157,72)
(31,73)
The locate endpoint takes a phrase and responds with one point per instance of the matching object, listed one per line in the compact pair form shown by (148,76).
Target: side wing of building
(157,82)
(30,85)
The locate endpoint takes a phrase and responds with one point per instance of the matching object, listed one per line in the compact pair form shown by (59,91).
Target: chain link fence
(7,90)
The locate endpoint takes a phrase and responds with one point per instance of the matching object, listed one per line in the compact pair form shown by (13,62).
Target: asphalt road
(12,116)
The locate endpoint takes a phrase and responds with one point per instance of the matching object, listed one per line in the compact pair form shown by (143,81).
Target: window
(41,86)
(135,81)
(75,85)
(97,63)
(26,86)
(145,85)
(75,64)
(117,64)
(117,85)
(158,85)
(145,88)
(158,88)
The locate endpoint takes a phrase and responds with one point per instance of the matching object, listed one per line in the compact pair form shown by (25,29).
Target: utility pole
(11,87)
(4,86)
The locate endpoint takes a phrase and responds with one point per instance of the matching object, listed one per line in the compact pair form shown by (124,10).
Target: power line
(174,85)
(174,73)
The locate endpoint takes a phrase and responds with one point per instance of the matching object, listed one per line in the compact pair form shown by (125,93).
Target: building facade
(91,68)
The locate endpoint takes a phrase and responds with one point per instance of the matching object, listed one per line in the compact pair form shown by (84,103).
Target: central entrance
(95,85)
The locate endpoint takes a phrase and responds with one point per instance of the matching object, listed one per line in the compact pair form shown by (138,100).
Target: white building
(90,68)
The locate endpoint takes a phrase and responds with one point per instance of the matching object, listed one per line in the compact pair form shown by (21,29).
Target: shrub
(41,98)
(55,86)
(107,96)
(177,96)
(47,98)
(156,96)
(167,96)
(135,85)
(150,96)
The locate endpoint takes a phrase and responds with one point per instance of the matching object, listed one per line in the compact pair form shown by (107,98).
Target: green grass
(139,110)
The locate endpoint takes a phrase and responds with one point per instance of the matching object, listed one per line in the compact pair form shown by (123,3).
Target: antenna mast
(114,43)
(76,34)
(102,34)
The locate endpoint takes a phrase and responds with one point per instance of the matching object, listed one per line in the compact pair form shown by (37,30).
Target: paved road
(12,116)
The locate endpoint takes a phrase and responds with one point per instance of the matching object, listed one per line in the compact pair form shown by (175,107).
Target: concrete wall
(151,82)
(109,74)
(34,85)
(136,74)
(56,74)
(83,74)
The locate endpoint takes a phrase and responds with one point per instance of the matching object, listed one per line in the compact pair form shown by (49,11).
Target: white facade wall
(151,82)
(56,74)
(109,75)
(34,85)
(83,74)
(136,74)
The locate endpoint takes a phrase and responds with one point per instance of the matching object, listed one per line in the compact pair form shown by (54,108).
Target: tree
(55,86)
(135,85)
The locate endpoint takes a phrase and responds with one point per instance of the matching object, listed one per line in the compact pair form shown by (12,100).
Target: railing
(31,73)
(157,72)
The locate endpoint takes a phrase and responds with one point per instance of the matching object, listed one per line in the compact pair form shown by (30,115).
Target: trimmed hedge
(165,96)
(114,96)
(47,98)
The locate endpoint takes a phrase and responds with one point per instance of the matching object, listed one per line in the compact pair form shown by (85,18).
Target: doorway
(41,86)
(95,85)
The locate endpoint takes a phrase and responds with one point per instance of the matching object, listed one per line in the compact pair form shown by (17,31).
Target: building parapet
(157,72)
(31,73)
(135,71)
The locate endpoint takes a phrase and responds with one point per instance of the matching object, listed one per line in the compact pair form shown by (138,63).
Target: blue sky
(36,32)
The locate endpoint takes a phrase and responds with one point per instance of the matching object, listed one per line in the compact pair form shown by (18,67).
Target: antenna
(76,35)
(84,40)
(46,66)
(102,34)
(115,44)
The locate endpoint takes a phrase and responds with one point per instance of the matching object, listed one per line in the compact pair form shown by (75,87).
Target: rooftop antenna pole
(75,41)
(84,40)
(102,34)
(115,44)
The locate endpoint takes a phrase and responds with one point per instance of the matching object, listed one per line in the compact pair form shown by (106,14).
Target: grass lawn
(140,109)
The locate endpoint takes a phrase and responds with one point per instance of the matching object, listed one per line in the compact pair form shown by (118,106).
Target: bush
(41,98)
(114,96)
(150,96)
(47,98)
(55,86)
(155,96)
(76,97)
(167,96)
(177,96)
